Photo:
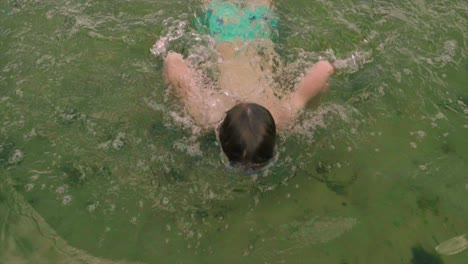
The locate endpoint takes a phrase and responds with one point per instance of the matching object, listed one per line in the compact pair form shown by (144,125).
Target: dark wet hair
(248,136)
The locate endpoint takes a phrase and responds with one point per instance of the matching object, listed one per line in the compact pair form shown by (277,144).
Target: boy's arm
(181,77)
(315,81)
(201,104)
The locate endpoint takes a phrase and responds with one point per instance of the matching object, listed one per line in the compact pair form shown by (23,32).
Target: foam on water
(175,29)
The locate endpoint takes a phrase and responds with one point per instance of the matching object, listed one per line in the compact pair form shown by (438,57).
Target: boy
(245,112)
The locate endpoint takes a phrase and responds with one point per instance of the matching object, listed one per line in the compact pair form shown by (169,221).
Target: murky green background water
(96,166)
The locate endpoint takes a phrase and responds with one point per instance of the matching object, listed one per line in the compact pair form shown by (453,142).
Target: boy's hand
(314,82)
(329,69)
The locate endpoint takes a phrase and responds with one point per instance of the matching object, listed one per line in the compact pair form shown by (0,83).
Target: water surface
(100,164)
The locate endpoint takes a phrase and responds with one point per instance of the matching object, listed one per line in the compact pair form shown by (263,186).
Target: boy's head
(248,136)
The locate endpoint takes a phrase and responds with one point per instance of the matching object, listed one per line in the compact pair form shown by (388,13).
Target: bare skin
(243,78)
(240,83)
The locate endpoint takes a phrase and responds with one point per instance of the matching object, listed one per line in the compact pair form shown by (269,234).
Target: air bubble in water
(165,201)
(118,142)
(16,157)
(66,200)
(92,207)
(62,189)
(28,187)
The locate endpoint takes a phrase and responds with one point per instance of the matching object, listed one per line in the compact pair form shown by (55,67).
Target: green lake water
(100,164)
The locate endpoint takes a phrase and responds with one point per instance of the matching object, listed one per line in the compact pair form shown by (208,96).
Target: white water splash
(353,63)
(175,30)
